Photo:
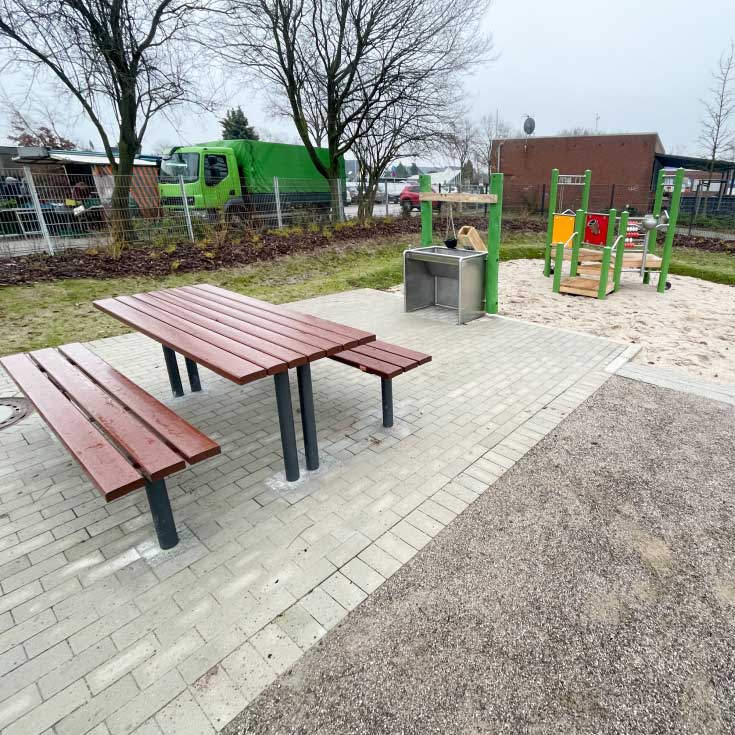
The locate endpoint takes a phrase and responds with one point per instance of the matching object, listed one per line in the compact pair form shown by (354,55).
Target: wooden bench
(385,360)
(123,438)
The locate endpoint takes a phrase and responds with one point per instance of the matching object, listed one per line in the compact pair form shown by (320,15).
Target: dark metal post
(193,372)
(173,372)
(163,517)
(612,196)
(308,421)
(285,420)
(543,198)
(386,390)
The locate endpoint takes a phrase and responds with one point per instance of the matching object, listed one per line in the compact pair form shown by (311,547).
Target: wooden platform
(581,286)
(631,261)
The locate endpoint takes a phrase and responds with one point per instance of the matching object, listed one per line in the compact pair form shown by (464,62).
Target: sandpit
(691,327)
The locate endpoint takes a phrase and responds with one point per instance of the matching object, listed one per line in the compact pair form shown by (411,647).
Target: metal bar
(37,206)
(277,193)
(163,517)
(185,203)
(671,229)
(577,242)
(612,196)
(619,248)
(550,226)
(308,420)
(285,421)
(426,214)
(386,391)
(492,263)
(652,235)
(193,372)
(174,377)
(387,212)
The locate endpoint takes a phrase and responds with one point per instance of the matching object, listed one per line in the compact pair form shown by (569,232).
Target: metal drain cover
(13,410)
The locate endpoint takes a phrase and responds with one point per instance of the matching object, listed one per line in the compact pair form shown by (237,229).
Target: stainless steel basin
(448,277)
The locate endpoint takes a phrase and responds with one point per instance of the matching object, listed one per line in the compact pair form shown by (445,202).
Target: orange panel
(563,228)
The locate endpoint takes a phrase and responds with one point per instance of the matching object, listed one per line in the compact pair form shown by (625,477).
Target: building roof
(692,163)
(44,155)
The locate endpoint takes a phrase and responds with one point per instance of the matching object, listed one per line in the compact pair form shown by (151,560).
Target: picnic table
(242,339)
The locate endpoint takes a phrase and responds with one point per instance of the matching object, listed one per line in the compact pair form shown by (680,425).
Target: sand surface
(690,328)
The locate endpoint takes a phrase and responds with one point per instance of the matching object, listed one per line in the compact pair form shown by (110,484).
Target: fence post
(386,199)
(37,207)
(695,207)
(185,202)
(340,203)
(543,197)
(277,194)
(612,196)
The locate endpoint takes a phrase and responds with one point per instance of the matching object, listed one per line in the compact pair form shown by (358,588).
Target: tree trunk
(120,221)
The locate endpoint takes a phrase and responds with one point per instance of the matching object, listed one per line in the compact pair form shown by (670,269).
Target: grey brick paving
(101,632)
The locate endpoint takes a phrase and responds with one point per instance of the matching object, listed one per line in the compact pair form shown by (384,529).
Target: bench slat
(223,363)
(290,339)
(269,363)
(155,458)
(330,341)
(291,357)
(368,364)
(420,357)
(189,442)
(308,319)
(106,467)
(402,362)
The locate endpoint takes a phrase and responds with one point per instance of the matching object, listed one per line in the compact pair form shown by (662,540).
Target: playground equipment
(587,240)
(454,277)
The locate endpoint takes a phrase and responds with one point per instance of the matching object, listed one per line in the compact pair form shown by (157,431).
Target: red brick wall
(624,160)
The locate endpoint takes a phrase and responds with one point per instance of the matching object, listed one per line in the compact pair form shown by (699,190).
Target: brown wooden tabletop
(242,339)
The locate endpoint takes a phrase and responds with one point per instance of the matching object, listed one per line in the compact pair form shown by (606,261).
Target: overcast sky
(641,65)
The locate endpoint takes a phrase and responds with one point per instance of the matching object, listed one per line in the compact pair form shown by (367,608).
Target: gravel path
(591,590)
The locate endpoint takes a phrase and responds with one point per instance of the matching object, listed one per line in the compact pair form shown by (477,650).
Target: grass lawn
(48,314)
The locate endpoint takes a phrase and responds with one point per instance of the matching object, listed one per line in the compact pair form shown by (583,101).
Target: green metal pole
(586,190)
(620,250)
(558,266)
(611,227)
(492,265)
(579,218)
(671,230)
(652,235)
(550,227)
(604,272)
(426,212)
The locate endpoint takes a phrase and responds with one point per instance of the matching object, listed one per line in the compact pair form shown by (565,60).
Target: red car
(409,198)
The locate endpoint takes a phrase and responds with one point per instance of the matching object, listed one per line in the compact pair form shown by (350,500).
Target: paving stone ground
(103,633)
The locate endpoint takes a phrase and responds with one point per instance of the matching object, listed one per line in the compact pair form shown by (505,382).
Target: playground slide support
(604,272)
(585,205)
(579,218)
(620,250)
(426,228)
(558,266)
(550,226)
(492,264)
(671,230)
(652,235)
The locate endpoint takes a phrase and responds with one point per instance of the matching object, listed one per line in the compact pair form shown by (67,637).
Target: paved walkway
(103,633)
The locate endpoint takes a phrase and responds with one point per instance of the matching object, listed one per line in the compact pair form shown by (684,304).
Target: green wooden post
(492,264)
(671,230)
(652,235)
(550,226)
(620,250)
(558,266)
(586,190)
(579,218)
(604,272)
(611,227)
(426,212)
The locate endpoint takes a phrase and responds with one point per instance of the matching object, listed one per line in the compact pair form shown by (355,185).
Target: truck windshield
(180,164)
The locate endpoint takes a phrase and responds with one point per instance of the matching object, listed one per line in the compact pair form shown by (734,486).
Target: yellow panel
(563,228)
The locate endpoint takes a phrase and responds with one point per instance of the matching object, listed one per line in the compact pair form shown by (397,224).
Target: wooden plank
(368,364)
(268,320)
(155,458)
(420,357)
(580,286)
(290,357)
(311,347)
(223,363)
(432,196)
(269,363)
(368,350)
(189,442)
(308,319)
(106,467)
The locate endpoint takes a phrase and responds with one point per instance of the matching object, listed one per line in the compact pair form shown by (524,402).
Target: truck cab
(210,176)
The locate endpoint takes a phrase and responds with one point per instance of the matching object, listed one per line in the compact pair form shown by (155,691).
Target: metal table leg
(285,419)
(308,421)
(193,372)
(163,517)
(173,372)
(386,389)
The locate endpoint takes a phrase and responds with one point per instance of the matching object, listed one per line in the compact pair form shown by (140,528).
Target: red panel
(595,229)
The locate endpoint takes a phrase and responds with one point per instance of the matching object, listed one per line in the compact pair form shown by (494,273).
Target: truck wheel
(406,207)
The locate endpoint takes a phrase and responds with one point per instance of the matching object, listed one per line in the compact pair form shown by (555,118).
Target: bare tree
(25,131)
(490,130)
(716,134)
(461,137)
(118,58)
(338,66)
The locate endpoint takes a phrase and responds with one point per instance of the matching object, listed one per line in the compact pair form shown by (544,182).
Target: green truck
(246,180)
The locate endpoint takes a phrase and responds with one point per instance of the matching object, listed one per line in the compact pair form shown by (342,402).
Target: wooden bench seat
(122,437)
(385,360)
